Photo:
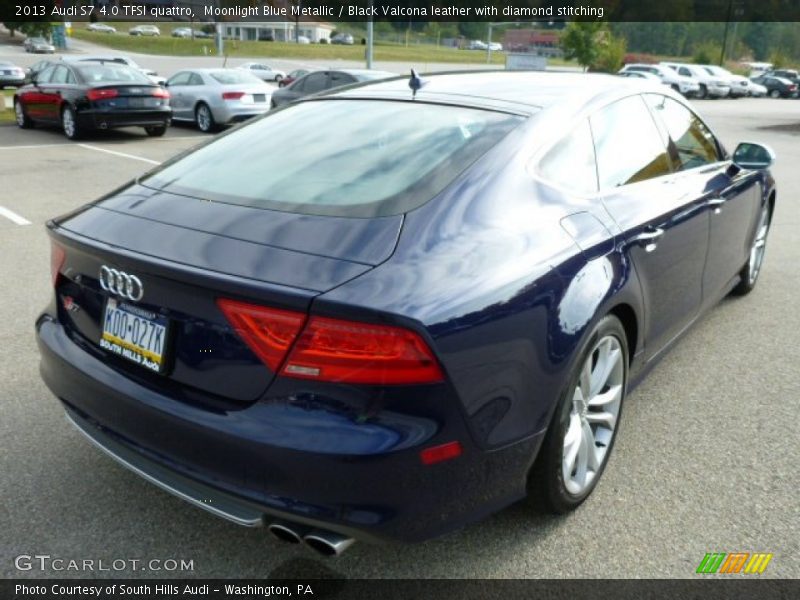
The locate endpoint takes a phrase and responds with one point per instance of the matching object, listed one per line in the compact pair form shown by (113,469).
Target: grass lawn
(7,114)
(187,47)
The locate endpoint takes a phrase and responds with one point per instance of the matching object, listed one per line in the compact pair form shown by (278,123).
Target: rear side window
(571,162)
(316,82)
(45,75)
(693,144)
(346,157)
(628,145)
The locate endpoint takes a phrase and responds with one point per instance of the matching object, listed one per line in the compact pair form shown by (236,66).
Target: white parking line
(122,154)
(33,146)
(12,216)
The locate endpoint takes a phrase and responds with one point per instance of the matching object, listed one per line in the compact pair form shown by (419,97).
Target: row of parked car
(712,81)
(82,93)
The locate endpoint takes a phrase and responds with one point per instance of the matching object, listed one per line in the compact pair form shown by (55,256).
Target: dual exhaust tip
(326,543)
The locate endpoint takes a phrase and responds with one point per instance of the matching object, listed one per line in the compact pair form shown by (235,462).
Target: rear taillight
(57,257)
(102,94)
(232,95)
(353,352)
(333,349)
(269,332)
(160,93)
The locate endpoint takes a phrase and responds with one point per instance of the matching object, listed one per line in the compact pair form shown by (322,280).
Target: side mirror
(749,155)
(166,84)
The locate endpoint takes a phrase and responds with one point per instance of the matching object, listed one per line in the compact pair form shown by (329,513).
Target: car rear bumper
(225,460)
(233,112)
(11,80)
(100,119)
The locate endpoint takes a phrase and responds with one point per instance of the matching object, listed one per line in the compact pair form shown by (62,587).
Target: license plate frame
(141,338)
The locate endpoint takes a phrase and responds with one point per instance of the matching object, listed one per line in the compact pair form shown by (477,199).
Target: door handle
(648,239)
(716,203)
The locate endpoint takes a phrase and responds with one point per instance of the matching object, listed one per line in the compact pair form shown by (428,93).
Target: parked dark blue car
(421,310)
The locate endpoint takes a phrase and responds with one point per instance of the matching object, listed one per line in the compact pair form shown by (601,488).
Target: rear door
(664,231)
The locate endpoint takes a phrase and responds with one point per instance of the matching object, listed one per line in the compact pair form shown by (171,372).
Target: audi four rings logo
(121,284)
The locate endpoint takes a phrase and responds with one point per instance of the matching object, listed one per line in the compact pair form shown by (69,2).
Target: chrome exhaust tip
(286,532)
(327,543)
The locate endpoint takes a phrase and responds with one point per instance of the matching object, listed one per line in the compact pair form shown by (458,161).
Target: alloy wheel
(68,121)
(596,403)
(203,118)
(20,113)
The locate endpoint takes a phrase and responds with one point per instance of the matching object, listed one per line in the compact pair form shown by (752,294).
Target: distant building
(542,43)
(279,31)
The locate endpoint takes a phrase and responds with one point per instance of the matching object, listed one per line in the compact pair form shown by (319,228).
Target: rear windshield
(359,158)
(111,73)
(234,77)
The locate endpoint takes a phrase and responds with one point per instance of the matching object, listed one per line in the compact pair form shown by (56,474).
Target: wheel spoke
(613,394)
(591,448)
(607,360)
(572,441)
(586,379)
(602,418)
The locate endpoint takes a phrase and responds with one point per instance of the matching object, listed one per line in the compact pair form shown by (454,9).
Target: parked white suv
(740,86)
(711,86)
(685,85)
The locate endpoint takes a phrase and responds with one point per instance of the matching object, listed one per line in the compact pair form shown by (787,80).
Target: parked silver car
(740,86)
(38,45)
(213,97)
(262,71)
(711,86)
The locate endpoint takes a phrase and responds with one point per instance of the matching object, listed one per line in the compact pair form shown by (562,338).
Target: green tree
(707,53)
(582,41)
(29,28)
(611,54)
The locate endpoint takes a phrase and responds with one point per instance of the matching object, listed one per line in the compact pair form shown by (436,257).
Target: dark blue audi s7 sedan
(428,306)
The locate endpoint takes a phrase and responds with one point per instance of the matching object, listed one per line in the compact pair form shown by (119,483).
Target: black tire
(774,94)
(748,276)
(73,132)
(546,485)
(23,120)
(278,79)
(204,118)
(156,130)
(675,87)
(702,92)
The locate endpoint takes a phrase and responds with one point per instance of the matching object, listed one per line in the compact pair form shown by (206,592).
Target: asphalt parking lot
(706,459)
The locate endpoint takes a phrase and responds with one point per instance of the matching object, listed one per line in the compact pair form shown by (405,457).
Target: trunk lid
(187,253)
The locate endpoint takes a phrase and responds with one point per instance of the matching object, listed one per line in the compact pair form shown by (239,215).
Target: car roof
(524,91)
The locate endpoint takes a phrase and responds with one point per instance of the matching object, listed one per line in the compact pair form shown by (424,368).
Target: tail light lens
(269,332)
(102,94)
(332,349)
(57,257)
(232,95)
(160,93)
(352,352)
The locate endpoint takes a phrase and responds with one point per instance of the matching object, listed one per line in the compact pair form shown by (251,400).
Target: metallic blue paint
(503,274)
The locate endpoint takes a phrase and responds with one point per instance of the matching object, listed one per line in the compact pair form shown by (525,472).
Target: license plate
(135,334)
(142,102)
(259,98)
